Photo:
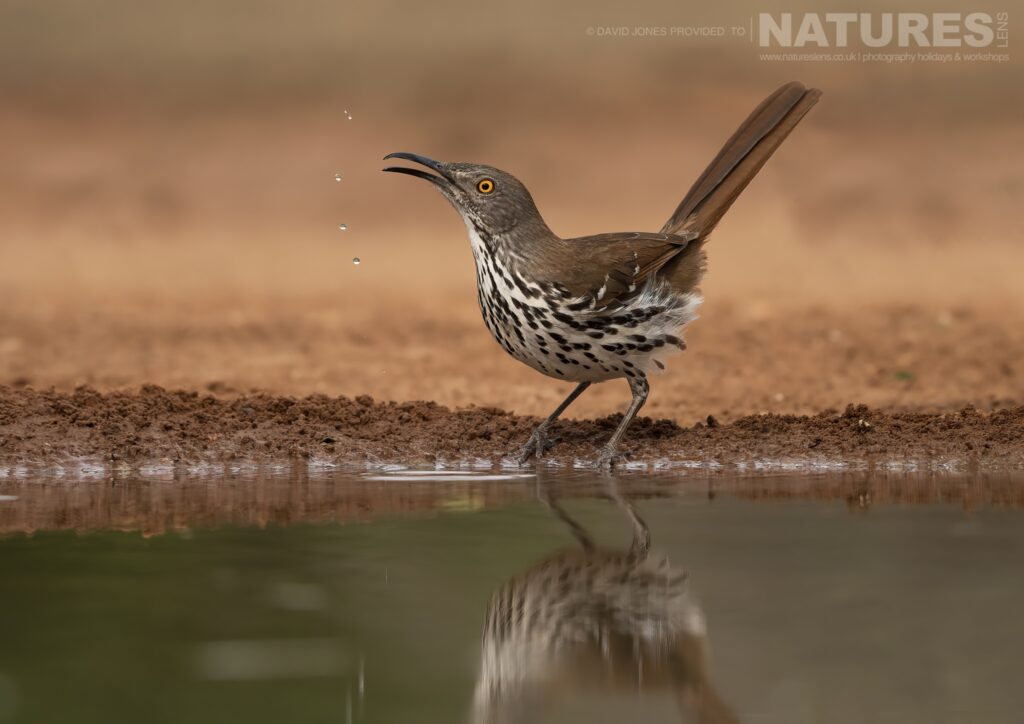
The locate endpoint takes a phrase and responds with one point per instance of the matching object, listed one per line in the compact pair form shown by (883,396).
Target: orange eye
(485,186)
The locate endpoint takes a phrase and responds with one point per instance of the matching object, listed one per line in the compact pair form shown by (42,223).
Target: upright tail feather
(740,159)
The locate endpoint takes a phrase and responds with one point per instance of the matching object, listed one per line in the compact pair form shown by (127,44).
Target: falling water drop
(343,227)
(355,260)
(337,177)
(348,115)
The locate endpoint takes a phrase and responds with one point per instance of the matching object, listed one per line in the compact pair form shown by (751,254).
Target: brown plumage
(740,159)
(672,252)
(608,306)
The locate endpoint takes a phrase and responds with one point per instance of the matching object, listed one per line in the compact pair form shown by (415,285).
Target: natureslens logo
(881,30)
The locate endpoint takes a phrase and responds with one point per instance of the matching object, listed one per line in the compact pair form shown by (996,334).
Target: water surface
(339,598)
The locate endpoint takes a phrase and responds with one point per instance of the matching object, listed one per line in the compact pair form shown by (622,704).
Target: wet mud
(129,429)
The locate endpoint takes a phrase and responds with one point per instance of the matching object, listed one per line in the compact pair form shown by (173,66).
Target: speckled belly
(539,329)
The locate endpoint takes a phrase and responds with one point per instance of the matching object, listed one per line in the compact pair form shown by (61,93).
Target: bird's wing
(610,268)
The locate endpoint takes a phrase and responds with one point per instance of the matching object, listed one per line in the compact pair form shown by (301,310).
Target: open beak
(441,179)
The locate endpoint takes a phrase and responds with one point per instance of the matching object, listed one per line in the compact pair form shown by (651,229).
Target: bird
(592,619)
(609,306)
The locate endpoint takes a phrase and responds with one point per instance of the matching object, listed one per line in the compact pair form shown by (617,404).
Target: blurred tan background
(169,214)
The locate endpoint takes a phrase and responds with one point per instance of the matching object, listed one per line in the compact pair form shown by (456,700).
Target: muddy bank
(125,430)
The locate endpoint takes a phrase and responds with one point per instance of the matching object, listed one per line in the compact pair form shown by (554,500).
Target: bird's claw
(607,459)
(536,446)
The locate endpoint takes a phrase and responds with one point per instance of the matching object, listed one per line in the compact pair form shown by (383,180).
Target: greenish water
(814,613)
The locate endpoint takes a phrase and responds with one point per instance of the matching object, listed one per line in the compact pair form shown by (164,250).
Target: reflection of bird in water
(590,619)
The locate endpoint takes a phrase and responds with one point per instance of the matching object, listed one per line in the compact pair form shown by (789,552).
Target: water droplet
(337,177)
(343,227)
(355,260)
(348,115)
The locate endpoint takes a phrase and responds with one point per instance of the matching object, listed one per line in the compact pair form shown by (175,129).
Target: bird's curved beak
(441,179)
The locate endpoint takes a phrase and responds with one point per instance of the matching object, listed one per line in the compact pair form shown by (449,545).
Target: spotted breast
(588,337)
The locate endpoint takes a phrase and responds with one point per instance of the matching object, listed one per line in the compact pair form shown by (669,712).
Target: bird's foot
(536,446)
(608,457)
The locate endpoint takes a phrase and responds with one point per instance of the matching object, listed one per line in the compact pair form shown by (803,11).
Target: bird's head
(489,198)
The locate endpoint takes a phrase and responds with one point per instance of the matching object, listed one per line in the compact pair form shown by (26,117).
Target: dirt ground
(180,430)
(793,324)
(165,289)
(175,222)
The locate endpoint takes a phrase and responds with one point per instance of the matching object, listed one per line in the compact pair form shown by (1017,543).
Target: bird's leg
(641,533)
(538,440)
(546,495)
(639,388)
